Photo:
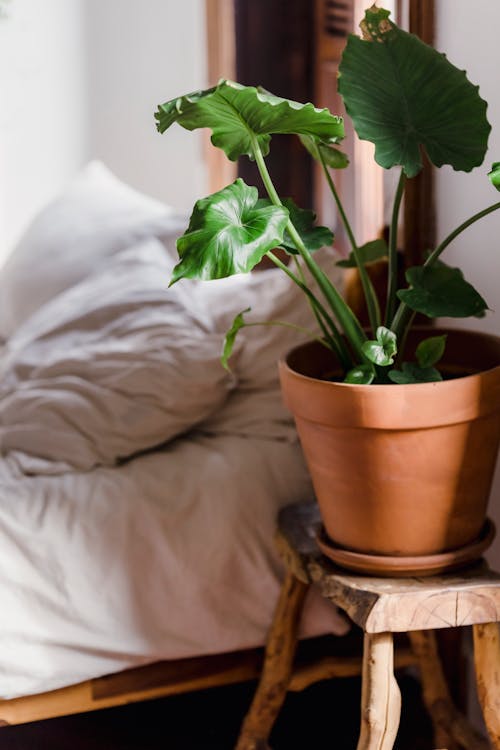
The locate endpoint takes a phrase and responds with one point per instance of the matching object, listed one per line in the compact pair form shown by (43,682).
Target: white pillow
(113,366)
(96,216)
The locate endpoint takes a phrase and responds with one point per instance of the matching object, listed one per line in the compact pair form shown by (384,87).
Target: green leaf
(228,234)
(239,114)
(383,349)
(402,94)
(229,339)
(332,156)
(430,351)
(313,237)
(360,375)
(494,175)
(411,373)
(367,253)
(441,291)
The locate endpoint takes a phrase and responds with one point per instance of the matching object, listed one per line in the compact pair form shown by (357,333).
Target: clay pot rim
(389,387)
(381,387)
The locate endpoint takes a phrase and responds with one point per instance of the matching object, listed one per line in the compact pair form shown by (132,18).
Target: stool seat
(468,597)
(381,607)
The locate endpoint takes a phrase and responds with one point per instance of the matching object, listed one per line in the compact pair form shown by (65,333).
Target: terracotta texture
(400,469)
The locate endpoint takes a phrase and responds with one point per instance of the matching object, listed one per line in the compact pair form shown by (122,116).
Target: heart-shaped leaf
(440,291)
(430,351)
(313,237)
(238,115)
(230,337)
(402,94)
(383,349)
(368,253)
(360,375)
(228,234)
(411,373)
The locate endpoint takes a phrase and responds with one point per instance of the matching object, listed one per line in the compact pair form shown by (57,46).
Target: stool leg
(451,728)
(487,663)
(380,699)
(277,669)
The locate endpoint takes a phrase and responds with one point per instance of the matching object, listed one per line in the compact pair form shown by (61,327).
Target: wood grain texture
(381,698)
(388,604)
(129,686)
(184,675)
(332,667)
(487,664)
(451,729)
(277,670)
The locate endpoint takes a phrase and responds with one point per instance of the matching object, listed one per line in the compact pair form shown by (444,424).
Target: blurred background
(80,79)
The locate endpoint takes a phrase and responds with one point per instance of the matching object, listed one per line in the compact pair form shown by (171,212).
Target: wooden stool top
(467,597)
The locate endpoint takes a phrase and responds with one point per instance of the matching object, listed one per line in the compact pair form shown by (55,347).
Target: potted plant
(400,426)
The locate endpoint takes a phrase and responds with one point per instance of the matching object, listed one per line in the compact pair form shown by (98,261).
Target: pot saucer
(395,566)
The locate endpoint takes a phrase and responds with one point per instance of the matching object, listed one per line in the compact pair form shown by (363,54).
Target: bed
(139,480)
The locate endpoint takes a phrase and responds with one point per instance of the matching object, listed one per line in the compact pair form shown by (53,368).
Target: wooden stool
(382,606)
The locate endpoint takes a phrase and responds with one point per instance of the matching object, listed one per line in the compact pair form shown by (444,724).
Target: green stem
(337,346)
(372,304)
(307,332)
(404,335)
(392,278)
(330,331)
(404,315)
(401,321)
(336,197)
(342,312)
(444,244)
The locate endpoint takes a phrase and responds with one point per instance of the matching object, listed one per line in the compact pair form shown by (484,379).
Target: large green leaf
(402,94)
(238,114)
(313,236)
(228,234)
(440,291)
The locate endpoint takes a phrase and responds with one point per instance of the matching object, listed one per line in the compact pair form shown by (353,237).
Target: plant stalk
(293,327)
(343,313)
(392,271)
(330,330)
(337,345)
(444,244)
(372,304)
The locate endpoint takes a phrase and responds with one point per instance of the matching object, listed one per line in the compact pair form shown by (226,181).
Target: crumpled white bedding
(169,555)
(107,564)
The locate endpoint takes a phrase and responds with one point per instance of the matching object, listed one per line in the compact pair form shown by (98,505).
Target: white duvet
(146,535)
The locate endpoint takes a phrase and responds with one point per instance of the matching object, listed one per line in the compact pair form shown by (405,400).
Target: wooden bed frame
(172,677)
(319,658)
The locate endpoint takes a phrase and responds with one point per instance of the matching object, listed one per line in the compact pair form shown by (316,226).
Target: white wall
(142,54)
(81,79)
(470,40)
(43,106)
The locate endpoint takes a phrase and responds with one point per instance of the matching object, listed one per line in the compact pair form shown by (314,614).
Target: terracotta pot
(400,470)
